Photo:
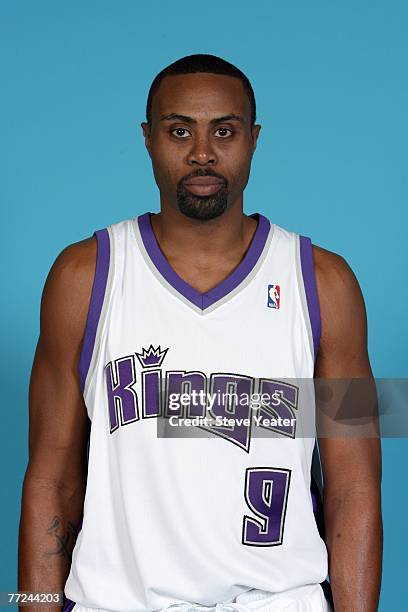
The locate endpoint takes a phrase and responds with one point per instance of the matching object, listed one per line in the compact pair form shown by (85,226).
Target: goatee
(202,208)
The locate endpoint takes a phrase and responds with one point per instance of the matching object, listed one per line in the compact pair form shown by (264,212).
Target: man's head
(200,133)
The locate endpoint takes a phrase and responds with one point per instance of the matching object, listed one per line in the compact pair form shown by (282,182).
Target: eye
(223,134)
(180,132)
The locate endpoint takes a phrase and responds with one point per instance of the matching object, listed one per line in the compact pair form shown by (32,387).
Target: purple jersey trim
(96,302)
(314,502)
(68,604)
(309,279)
(203,300)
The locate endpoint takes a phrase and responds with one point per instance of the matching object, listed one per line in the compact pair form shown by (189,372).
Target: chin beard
(203,208)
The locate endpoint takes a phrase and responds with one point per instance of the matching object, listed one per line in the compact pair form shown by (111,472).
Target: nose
(202,153)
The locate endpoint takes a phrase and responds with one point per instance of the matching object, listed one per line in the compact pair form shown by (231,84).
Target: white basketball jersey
(204,515)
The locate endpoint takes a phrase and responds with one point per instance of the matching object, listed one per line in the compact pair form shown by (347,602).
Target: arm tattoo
(64,539)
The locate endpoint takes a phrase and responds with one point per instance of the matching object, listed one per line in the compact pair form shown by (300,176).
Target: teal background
(331,89)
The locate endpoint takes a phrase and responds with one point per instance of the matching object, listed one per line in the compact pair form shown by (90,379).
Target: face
(201,143)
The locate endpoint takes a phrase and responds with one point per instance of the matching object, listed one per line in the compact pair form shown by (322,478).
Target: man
(197,300)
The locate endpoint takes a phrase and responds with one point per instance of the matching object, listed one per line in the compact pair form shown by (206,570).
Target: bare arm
(351,465)
(55,479)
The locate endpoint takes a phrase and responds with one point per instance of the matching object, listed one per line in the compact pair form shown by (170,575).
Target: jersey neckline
(204,302)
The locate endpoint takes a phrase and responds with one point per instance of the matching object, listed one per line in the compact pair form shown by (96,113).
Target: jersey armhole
(97,305)
(308,286)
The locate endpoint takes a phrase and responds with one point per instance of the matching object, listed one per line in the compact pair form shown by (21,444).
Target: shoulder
(333,274)
(67,291)
(342,308)
(74,266)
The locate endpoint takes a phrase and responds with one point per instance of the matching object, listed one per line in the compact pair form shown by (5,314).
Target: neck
(203,242)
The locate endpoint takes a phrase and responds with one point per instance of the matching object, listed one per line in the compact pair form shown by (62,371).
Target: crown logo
(151,357)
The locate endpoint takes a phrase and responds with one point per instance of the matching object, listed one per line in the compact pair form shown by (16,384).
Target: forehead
(202,96)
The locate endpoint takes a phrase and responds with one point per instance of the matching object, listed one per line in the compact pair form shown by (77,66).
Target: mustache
(204,173)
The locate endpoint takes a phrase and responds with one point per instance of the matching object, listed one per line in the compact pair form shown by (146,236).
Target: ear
(255,134)
(146,134)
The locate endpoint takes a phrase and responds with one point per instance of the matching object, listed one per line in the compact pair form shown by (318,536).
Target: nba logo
(273,296)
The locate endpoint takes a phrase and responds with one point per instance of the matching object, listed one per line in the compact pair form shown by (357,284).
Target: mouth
(203,185)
